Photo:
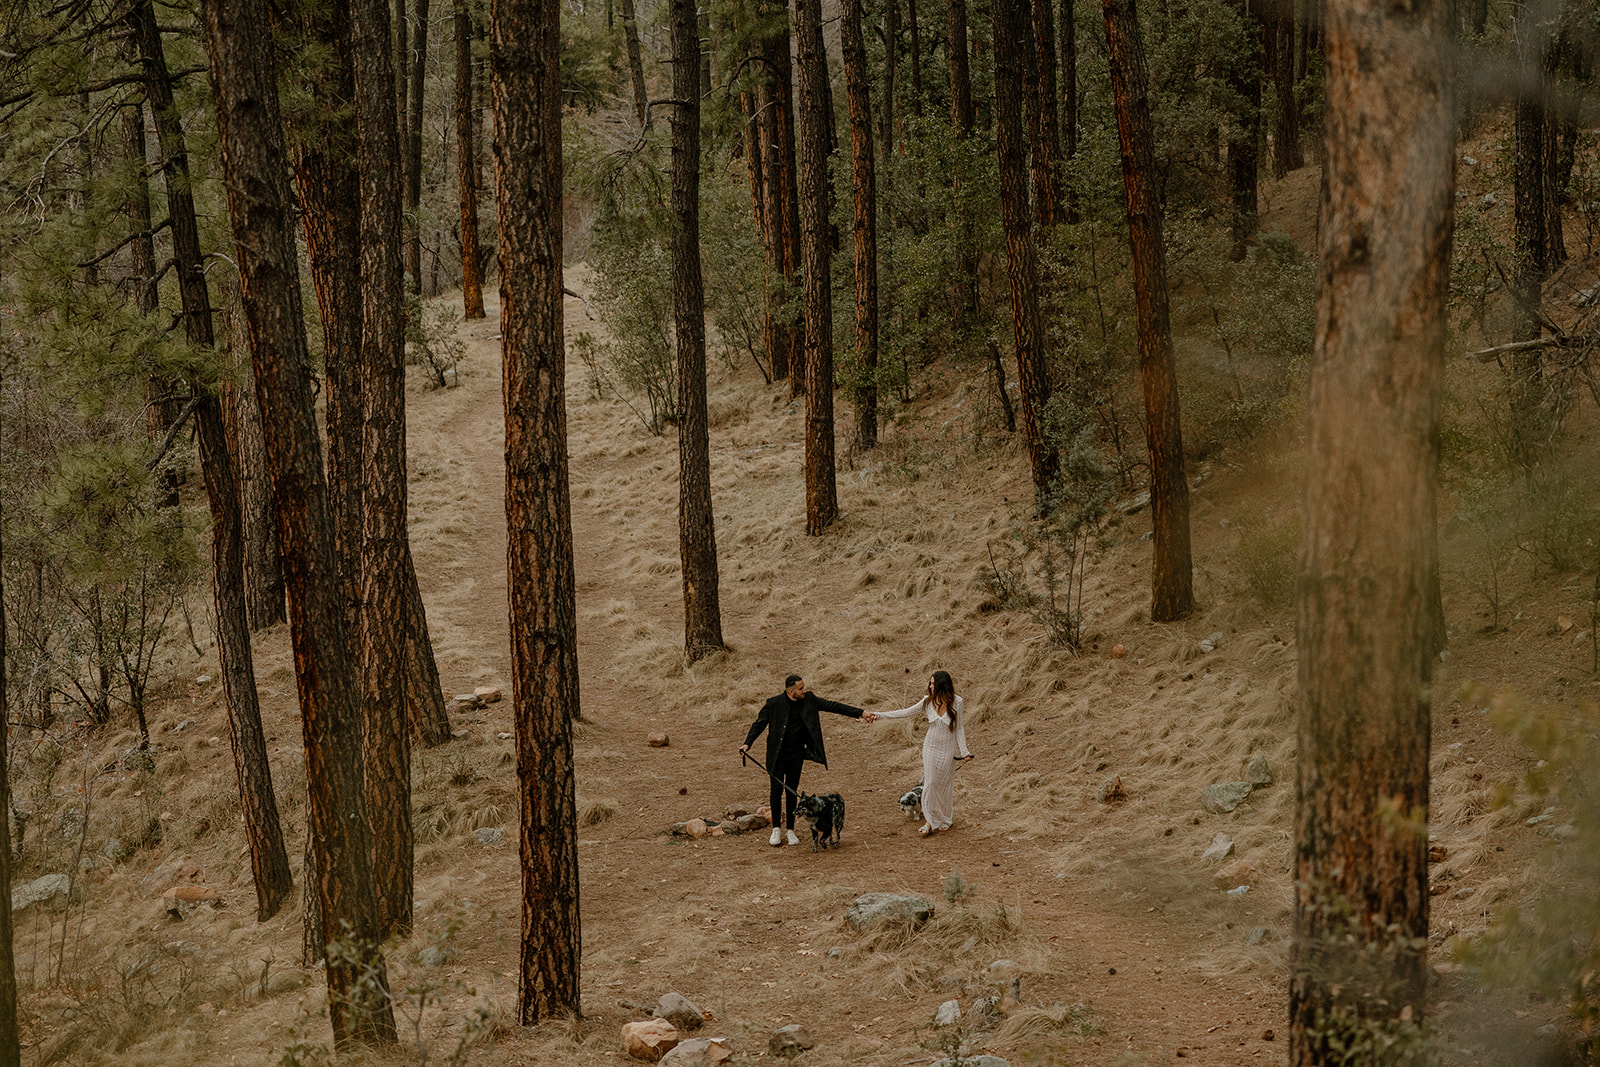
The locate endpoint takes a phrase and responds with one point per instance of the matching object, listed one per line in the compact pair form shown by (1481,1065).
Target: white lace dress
(940,750)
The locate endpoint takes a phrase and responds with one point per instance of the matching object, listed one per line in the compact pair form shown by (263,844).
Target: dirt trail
(743,928)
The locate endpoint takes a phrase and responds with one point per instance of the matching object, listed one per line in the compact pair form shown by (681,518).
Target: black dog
(825,814)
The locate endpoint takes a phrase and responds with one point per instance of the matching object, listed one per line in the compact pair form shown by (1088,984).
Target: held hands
(869,716)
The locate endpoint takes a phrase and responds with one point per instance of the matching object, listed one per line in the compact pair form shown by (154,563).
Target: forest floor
(1127,950)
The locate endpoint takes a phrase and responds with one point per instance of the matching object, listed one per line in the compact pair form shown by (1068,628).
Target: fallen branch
(1489,355)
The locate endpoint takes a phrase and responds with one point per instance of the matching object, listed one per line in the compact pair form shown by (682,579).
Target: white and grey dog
(911,801)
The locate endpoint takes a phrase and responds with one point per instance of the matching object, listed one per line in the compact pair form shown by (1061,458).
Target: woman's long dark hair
(942,692)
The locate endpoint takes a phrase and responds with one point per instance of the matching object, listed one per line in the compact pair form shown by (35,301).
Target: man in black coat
(794,735)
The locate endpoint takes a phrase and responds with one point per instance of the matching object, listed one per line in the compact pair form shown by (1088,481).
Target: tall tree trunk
(858,90)
(1244,133)
(630,31)
(526,53)
(384,547)
(916,58)
(789,202)
(269,859)
(467,167)
(750,136)
(10,1035)
(330,201)
(244,83)
(965,277)
(774,240)
(1286,152)
(697,539)
(1555,247)
(1010,85)
(891,73)
(1369,550)
(1172,584)
(1047,136)
(413,147)
(1068,38)
(822,502)
(424,691)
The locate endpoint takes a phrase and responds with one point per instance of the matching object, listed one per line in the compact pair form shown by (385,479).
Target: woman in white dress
(944,746)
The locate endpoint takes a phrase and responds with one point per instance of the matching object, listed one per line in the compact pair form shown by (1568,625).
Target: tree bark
(385,617)
(916,58)
(245,86)
(525,58)
(1369,548)
(1068,38)
(822,502)
(1010,85)
(269,859)
(697,539)
(789,195)
(784,340)
(1244,134)
(1286,155)
(858,91)
(1172,584)
(330,201)
(10,1035)
(750,136)
(641,96)
(467,167)
(1047,136)
(413,147)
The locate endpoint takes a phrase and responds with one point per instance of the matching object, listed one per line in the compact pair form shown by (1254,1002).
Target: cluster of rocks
(1219,798)
(660,1037)
(733,821)
(483,694)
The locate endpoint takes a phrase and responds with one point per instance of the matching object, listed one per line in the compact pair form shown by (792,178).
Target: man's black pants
(787,768)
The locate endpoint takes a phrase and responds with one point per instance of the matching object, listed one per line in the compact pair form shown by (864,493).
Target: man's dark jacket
(779,715)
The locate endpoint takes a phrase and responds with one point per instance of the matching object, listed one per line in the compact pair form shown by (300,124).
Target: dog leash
(744,755)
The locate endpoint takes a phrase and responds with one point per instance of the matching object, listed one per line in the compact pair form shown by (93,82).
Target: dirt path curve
(752,932)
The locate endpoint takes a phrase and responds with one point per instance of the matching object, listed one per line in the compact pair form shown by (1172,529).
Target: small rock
(1210,642)
(488,835)
(1538,819)
(835,952)
(752,822)
(189,894)
(1462,894)
(1118,651)
(204,679)
(435,956)
(984,1060)
(949,1013)
(1437,853)
(504,735)
(680,1011)
(1004,969)
(1134,505)
(1469,161)
(1549,1032)
(657,740)
(1222,797)
(488,694)
(1563,623)
(184,725)
(1259,772)
(698,1052)
(49,891)
(878,909)
(1564,832)
(453,707)
(789,1040)
(1221,848)
(469,700)
(650,1039)
(1258,934)
(1487,201)
(1267,1035)
(1237,873)
(696,828)
(1112,792)
(717,831)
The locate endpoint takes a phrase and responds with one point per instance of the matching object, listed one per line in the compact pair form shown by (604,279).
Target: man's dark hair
(789,681)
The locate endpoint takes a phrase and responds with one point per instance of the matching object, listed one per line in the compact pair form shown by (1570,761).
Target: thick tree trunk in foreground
(269,860)
(10,1038)
(1172,583)
(467,168)
(822,501)
(697,539)
(1369,551)
(1010,32)
(526,51)
(386,751)
(245,85)
(858,90)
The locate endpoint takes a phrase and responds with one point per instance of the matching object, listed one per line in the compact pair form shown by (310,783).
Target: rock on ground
(49,891)
(1222,797)
(789,1040)
(973,1061)
(650,1039)
(680,1011)
(698,1052)
(949,1013)
(876,909)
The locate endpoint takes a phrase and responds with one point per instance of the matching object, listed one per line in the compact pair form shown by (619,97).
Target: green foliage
(1264,560)
(431,341)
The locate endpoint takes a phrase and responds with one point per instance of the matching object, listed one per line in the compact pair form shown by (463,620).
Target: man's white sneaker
(777,836)
(789,836)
